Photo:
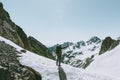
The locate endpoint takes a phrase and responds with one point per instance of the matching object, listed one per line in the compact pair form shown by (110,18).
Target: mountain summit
(94,39)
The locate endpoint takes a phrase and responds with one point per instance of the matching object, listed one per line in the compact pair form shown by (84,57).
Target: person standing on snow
(59,54)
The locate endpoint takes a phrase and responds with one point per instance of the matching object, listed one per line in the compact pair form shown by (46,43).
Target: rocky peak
(67,43)
(11,31)
(94,39)
(108,44)
(80,43)
(3,14)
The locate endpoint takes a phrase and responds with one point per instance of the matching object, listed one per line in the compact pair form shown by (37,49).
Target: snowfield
(108,63)
(49,71)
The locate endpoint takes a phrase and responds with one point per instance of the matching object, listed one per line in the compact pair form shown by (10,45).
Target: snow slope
(49,70)
(108,63)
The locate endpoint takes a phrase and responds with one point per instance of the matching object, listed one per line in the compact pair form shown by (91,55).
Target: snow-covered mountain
(49,71)
(17,63)
(80,54)
(107,63)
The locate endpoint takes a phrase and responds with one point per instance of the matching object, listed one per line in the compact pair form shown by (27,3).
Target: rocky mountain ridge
(38,48)
(13,32)
(82,53)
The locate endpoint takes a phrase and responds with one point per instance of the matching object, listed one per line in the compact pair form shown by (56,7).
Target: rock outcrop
(24,38)
(10,67)
(11,31)
(108,44)
(39,48)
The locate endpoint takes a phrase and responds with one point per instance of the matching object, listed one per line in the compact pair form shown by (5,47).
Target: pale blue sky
(57,21)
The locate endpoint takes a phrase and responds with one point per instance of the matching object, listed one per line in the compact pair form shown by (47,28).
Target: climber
(59,53)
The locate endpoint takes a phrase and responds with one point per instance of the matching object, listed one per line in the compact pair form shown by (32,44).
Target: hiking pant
(58,60)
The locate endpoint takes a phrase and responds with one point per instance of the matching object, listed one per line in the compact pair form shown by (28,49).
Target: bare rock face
(11,31)
(39,48)
(10,67)
(24,38)
(108,44)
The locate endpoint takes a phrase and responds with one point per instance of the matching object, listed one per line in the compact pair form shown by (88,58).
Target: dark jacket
(59,50)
